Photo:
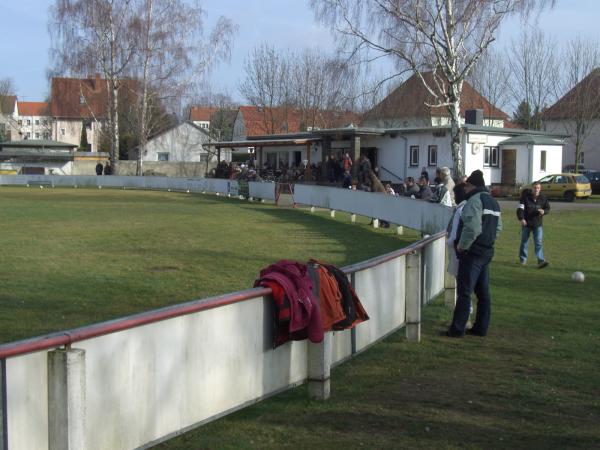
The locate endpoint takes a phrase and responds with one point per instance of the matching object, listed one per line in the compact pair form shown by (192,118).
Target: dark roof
(410,98)
(37,143)
(585,93)
(7,104)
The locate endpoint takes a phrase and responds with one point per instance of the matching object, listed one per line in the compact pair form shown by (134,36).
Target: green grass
(533,383)
(75,257)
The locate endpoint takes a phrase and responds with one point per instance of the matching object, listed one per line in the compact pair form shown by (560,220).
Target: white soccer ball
(578,277)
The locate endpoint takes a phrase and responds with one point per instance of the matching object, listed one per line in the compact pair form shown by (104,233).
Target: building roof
(83,98)
(409,101)
(202,113)
(585,93)
(7,104)
(259,121)
(531,139)
(37,143)
(33,108)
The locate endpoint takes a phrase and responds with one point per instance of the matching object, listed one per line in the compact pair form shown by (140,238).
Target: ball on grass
(578,277)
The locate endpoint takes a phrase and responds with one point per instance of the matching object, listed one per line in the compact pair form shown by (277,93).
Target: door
(509,167)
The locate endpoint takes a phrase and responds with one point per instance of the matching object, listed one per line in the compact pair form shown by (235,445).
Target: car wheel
(570,196)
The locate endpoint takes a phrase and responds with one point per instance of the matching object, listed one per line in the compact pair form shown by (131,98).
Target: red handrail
(68,337)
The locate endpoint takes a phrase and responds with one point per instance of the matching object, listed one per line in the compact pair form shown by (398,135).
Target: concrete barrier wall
(416,214)
(147,383)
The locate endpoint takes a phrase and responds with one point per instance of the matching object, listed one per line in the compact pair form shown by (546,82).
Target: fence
(133,382)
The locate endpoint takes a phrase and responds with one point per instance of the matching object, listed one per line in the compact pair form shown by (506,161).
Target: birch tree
(446,37)
(490,77)
(93,36)
(172,54)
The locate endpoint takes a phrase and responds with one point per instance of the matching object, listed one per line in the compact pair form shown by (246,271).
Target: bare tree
(171,55)
(93,35)
(446,37)
(7,105)
(578,110)
(490,77)
(534,73)
(266,85)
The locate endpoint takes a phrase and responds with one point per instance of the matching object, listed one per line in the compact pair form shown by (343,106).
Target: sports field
(532,383)
(72,257)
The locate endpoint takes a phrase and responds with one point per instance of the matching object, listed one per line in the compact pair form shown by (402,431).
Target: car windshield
(581,179)
(547,179)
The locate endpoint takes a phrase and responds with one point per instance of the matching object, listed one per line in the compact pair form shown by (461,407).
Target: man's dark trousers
(473,276)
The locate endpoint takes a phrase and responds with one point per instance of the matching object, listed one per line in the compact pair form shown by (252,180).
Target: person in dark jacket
(425,192)
(478,226)
(533,206)
(99,168)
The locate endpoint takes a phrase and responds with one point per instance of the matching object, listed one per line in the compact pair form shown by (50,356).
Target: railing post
(449,290)
(3,407)
(319,355)
(413,296)
(66,399)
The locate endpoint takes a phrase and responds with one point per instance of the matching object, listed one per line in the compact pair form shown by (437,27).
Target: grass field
(75,257)
(533,383)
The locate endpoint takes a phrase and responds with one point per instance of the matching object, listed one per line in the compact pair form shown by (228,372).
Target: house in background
(218,121)
(34,120)
(406,106)
(185,142)
(201,115)
(37,157)
(9,129)
(577,114)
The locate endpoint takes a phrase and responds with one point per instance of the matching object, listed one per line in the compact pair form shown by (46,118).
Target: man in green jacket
(479,224)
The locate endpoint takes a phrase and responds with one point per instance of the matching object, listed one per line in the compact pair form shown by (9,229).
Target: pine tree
(83,142)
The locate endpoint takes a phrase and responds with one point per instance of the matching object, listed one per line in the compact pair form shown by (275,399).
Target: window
(81,100)
(163,156)
(28,121)
(37,135)
(543,160)
(491,156)
(414,155)
(62,131)
(432,158)
(44,122)
(37,121)
(28,135)
(20,122)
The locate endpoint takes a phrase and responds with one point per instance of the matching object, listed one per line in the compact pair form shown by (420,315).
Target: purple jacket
(293,277)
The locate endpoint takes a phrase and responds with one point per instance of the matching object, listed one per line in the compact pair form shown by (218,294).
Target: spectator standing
(479,224)
(412,188)
(364,170)
(425,174)
(108,169)
(533,206)
(99,168)
(425,192)
(347,180)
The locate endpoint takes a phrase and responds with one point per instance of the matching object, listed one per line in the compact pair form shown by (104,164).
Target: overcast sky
(283,23)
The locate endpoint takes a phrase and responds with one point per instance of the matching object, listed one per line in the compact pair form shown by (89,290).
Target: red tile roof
(409,101)
(267,121)
(202,113)
(83,98)
(584,96)
(33,108)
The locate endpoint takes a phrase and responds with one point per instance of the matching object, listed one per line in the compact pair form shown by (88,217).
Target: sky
(282,23)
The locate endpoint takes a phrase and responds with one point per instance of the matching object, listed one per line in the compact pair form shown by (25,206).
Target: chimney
(474,117)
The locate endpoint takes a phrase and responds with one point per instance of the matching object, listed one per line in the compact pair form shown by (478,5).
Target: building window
(414,155)
(81,100)
(37,135)
(543,160)
(28,135)
(432,158)
(28,121)
(163,156)
(62,131)
(37,121)
(491,157)
(44,122)
(20,122)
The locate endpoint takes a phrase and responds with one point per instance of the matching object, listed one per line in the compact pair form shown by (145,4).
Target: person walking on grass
(533,206)
(478,226)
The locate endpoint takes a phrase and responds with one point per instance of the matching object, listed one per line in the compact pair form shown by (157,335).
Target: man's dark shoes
(450,335)
(542,264)
(473,332)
